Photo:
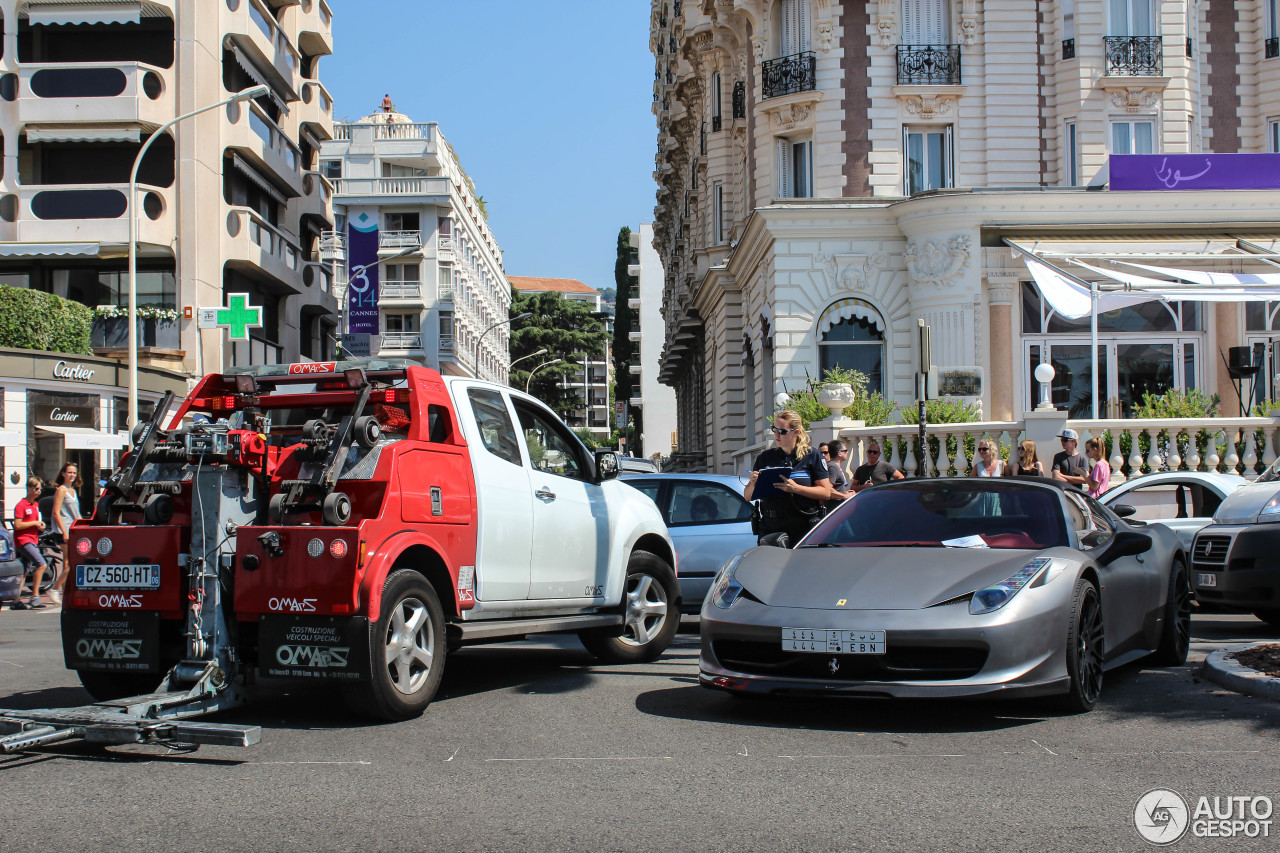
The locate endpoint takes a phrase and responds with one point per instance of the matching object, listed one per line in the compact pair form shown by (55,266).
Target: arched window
(851,337)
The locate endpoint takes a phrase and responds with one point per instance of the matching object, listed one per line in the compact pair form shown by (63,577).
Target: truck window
(494,423)
(551,448)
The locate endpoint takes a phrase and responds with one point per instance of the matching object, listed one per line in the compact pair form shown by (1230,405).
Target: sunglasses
(984,449)
(778,431)
(873,452)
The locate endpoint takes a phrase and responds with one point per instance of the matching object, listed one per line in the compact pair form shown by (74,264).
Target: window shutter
(1068,19)
(788,44)
(906,161)
(912,13)
(784,168)
(802,25)
(949,161)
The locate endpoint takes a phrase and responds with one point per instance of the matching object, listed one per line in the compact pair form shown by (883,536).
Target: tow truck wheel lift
(206,680)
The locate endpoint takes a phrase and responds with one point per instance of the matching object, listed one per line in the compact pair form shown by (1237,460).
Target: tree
(566,329)
(623,348)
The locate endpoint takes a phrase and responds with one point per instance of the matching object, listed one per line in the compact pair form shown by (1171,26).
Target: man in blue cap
(1069,465)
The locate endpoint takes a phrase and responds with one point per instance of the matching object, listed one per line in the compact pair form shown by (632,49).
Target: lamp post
(526,315)
(529,382)
(542,351)
(244,95)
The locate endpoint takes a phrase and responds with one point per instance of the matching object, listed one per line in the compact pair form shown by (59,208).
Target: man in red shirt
(27,528)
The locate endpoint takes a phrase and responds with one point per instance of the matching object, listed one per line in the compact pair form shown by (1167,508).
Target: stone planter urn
(836,396)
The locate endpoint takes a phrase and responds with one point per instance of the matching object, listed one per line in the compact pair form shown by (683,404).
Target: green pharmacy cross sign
(237,318)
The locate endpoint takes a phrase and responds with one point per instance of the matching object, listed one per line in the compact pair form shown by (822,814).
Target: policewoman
(794,506)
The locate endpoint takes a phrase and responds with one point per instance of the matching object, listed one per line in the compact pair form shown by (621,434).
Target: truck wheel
(406,652)
(105,686)
(368,431)
(651,607)
(336,509)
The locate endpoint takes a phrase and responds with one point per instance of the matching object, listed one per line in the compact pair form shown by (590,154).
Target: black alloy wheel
(1175,630)
(1085,647)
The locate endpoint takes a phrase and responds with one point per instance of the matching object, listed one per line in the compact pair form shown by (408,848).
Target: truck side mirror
(607,466)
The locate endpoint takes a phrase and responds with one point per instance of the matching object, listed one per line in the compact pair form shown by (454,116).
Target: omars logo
(292,605)
(319,657)
(110,649)
(120,601)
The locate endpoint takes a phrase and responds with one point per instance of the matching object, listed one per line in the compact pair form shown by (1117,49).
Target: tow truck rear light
(315,547)
(338,548)
(104,546)
(364,549)
(83,547)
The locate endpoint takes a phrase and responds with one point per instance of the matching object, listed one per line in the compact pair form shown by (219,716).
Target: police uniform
(792,514)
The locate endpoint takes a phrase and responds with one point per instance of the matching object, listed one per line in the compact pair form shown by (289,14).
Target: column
(1001,287)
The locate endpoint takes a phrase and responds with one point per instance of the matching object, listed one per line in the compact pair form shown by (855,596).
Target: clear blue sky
(547,105)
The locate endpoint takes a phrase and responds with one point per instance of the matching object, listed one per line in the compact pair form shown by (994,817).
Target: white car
(1183,501)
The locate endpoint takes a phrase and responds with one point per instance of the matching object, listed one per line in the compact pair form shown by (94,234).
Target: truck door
(503,497)
(570,517)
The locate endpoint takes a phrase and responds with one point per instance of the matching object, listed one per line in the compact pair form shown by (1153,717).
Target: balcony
(789,74)
(265,145)
(109,335)
(401,341)
(315,28)
(400,291)
(1134,56)
(929,64)
(333,246)
(255,32)
(444,293)
(1272,48)
(444,247)
(316,202)
(635,368)
(446,343)
(431,190)
(94,92)
(256,245)
(1068,48)
(634,303)
(78,213)
(412,140)
(634,336)
(315,110)
(399,240)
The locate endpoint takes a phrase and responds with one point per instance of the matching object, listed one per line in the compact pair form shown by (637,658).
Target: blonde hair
(1029,459)
(792,417)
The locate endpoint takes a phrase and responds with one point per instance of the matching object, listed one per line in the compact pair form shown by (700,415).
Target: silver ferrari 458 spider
(947,588)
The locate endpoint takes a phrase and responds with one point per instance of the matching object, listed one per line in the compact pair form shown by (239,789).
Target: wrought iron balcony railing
(715,124)
(789,74)
(739,100)
(1272,48)
(930,64)
(1134,56)
(1068,48)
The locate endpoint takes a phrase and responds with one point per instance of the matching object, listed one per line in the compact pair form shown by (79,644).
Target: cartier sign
(75,372)
(64,416)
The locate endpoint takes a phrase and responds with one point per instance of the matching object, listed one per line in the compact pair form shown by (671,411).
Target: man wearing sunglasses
(797,508)
(874,472)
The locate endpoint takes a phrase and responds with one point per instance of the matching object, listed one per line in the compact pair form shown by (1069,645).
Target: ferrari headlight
(726,589)
(994,597)
(1270,512)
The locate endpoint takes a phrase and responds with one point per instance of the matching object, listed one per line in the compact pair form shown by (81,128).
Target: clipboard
(767,483)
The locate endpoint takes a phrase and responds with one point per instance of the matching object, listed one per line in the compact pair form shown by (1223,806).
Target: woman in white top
(988,463)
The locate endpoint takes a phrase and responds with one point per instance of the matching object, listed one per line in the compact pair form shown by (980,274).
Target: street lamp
(542,351)
(244,95)
(529,382)
(526,315)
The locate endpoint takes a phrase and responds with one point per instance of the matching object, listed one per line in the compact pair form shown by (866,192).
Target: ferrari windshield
(947,514)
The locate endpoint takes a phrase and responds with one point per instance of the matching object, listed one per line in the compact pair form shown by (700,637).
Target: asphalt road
(531,748)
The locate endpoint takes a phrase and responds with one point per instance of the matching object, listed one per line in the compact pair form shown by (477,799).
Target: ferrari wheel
(1084,649)
(1175,633)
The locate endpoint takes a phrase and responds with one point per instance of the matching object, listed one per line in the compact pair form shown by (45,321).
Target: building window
(716,117)
(402,222)
(1131,18)
(794,27)
(1072,153)
(1068,29)
(395,170)
(1273,137)
(926,22)
(400,323)
(1133,137)
(331,169)
(403,272)
(717,213)
(854,344)
(928,157)
(795,168)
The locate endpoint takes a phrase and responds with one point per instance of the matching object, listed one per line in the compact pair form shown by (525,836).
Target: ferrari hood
(873,578)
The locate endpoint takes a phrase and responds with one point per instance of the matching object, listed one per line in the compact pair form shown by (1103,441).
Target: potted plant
(157,327)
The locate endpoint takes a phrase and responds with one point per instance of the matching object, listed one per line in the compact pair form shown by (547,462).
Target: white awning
(65,12)
(86,438)
(1228,279)
(83,134)
(48,250)
(257,178)
(1173,291)
(1072,299)
(258,76)
(11,438)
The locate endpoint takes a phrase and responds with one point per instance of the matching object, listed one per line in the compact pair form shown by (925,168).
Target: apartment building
(830,172)
(591,379)
(655,401)
(420,270)
(228,202)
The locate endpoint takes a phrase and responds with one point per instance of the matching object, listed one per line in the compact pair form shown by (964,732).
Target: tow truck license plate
(130,576)
(1206,579)
(828,641)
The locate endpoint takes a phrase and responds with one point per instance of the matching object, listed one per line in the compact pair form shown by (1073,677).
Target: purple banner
(1195,171)
(362,278)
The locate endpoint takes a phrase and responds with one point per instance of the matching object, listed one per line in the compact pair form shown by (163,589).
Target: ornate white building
(830,172)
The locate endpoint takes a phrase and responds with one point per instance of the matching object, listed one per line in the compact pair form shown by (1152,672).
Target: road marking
(1042,746)
(304,762)
(592,758)
(744,751)
(898,755)
(455,753)
(11,663)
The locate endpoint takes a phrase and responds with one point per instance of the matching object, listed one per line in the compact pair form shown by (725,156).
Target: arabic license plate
(128,576)
(827,641)
(1206,579)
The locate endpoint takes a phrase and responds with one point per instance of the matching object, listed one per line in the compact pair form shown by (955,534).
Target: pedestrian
(836,457)
(988,463)
(1068,465)
(1100,473)
(27,527)
(1027,464)
(874,472)
(66,511)
(807,483)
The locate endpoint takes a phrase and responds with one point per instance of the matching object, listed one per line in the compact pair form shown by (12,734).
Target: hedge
(33,319)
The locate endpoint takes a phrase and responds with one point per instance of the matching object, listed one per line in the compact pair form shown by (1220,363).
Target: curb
(1235,676)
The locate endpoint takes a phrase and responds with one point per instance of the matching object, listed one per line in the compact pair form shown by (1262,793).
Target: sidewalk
(1229,673)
